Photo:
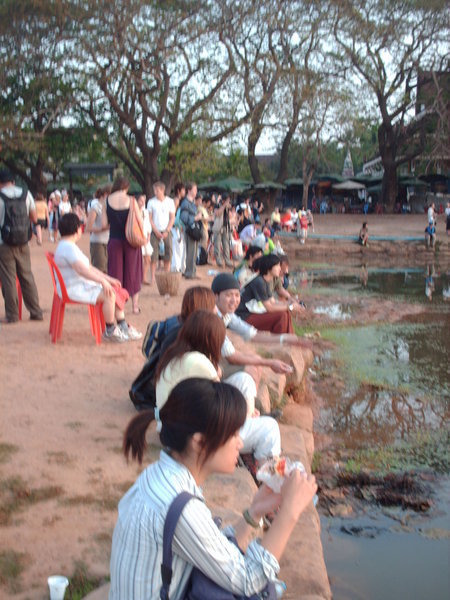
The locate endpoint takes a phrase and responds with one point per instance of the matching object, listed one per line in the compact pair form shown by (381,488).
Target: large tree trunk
(388,150)
(252,160)
(389,187)
(305,196)
(307,174)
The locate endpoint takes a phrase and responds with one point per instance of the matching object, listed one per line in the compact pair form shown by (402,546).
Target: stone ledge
(302,566)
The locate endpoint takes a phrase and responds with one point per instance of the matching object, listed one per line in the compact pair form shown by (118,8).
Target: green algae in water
(409,358)
(430,450)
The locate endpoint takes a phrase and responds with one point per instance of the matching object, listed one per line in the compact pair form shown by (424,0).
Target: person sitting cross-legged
(258,307)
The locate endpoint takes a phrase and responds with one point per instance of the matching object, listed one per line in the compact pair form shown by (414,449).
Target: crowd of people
(206,416)
(206,409)
(206,389)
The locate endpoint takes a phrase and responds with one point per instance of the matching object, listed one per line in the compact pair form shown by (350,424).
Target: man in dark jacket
(15,254)
(188,215)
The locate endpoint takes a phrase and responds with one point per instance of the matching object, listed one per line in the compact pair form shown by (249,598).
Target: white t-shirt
(191,364)
(67,253)
(160,211)
(13,191)
(101,237)
(64,207)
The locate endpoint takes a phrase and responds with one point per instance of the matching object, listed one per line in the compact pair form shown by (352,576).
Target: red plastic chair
(96,318)
(19,295)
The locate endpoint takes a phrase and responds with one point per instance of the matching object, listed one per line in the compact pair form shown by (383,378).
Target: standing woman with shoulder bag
(124,261)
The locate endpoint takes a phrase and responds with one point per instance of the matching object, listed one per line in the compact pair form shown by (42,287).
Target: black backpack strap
(173,514)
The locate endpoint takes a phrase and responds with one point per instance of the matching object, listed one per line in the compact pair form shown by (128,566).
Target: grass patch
(107,502)
(82,582)
(75,425)
(104,539)
(12,565)
(316,461)
(273,396)
(60,458)
(430,450)
(6,450)
(15,496)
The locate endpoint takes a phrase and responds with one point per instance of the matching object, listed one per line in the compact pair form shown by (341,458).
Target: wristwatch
(248,518)
(291,307)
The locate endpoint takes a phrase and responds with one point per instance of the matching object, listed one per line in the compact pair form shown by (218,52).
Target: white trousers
(178,251)
(260,435)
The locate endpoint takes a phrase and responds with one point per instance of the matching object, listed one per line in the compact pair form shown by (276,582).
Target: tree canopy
(190,89)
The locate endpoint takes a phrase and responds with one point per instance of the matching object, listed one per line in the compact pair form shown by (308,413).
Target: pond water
(388,410)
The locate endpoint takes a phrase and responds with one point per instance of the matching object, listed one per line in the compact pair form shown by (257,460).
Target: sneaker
(130,332)
(116,335)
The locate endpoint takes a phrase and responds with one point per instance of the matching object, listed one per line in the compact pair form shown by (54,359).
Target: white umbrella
(348,185)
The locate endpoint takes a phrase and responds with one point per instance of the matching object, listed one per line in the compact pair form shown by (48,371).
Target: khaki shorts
(154,241)
(99,256)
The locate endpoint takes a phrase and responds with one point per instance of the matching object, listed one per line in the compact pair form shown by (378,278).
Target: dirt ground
(64,407)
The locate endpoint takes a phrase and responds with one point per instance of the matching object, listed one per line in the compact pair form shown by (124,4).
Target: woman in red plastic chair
(85,283)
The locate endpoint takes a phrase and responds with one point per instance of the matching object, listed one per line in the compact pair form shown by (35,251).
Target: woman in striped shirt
(199,430)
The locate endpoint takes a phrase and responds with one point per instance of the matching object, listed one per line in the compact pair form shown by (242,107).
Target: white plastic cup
(57,585)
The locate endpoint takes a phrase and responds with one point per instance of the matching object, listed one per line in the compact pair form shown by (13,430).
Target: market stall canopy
(269,185)
(348,185)
(368,178)
(412,182)
(330,177)
(326,180)
(229,184)
(294,181)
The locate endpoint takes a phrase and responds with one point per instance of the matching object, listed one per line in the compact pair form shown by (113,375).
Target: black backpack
(142,392)
(16,229)
(202,256)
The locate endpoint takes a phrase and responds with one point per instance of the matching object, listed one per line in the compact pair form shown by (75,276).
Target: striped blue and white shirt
(138,539)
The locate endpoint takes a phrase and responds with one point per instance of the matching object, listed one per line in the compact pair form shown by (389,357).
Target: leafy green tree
(386,43)
(33,93)
(152,73)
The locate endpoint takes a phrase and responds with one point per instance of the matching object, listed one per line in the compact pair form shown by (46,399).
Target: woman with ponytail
(199,431)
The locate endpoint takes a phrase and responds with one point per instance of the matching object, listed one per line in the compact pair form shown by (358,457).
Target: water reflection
(337,311)
(392,282)
(373,416)
(396,382)
(364,275)
(429,282)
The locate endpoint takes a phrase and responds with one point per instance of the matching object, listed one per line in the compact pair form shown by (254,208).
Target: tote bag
(134,227)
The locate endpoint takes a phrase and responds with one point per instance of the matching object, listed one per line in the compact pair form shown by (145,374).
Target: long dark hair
(203,331)
(196,405)
(263,264)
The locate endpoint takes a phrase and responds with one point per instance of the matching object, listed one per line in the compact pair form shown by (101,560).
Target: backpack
(142,392)
(16,228)
(202,256)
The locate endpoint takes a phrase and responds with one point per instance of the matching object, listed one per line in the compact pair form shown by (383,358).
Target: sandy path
(63,410)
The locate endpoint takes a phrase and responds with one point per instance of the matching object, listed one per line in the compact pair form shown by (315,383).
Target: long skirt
(125,264)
